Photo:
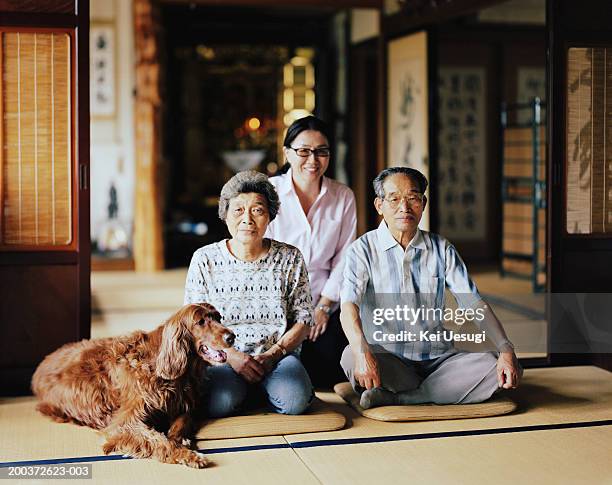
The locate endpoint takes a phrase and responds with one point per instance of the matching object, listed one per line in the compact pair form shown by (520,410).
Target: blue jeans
(287,387)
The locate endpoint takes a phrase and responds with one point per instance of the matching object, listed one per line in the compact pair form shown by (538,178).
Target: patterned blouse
(258,300)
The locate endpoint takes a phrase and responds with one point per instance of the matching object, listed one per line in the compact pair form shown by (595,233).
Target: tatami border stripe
(447,434)
(93,459)
(334,442)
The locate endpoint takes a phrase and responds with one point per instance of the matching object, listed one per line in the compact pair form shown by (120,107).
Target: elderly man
(412,361)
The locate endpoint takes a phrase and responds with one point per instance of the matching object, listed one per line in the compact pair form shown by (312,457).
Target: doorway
(236,78)
(491,168)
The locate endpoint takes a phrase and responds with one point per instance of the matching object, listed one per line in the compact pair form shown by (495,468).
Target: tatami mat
(27,435)
(501,449)
(127,290)
(419,452)
(269,466)
(541,457)
(546,396)
(124,301)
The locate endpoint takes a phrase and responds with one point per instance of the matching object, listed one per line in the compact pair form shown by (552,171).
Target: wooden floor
(562,432)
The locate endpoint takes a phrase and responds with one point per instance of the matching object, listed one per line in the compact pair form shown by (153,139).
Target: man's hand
(366,370)
(245,365)
(508,370)
(321,319)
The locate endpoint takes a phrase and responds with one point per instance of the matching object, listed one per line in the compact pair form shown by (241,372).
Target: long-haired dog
(142,390)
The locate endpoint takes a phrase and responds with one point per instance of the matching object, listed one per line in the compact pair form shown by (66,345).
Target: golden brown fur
(140,390)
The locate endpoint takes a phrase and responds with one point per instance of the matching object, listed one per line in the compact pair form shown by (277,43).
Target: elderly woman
(260,287)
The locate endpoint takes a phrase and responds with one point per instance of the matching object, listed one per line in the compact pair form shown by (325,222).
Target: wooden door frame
(79,253)
(567,28)
(363,135)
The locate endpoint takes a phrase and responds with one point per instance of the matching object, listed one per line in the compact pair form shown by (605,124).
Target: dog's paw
(109,447)
(196,460)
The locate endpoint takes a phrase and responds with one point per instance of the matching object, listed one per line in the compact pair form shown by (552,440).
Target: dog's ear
(174,350)
(210,312)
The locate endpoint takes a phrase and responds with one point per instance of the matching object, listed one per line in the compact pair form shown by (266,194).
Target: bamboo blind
(35,161)
(589,128)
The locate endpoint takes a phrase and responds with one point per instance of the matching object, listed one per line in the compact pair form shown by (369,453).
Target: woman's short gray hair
(417,177)
(247,182)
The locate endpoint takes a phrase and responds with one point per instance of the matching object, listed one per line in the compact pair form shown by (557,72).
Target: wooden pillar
(148,237)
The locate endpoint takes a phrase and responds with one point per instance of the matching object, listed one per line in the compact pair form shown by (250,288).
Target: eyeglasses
(413,200)
(306,152)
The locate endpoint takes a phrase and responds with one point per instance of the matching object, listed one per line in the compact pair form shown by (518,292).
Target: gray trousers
(456,378)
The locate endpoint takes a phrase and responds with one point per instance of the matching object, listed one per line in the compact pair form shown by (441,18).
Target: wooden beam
(417,14)
(335,4)
(148,240)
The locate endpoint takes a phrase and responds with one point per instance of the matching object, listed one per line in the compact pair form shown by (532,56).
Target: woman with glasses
(318,216)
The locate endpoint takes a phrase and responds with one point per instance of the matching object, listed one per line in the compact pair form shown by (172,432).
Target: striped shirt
(380,274)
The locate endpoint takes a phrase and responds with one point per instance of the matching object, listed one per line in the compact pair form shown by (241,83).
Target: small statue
(112,237)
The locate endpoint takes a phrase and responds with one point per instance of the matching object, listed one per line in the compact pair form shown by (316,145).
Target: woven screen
(36,156)
(589,157)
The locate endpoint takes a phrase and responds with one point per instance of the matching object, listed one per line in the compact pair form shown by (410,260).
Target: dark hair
(416,176)
(248,182)
(298,126)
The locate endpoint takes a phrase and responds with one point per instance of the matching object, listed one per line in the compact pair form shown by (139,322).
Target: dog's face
(194,328)
(209,336)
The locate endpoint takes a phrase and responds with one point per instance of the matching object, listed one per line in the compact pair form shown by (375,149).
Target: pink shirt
(322,236)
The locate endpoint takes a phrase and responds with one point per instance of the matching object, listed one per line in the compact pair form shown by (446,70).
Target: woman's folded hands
(245,365)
